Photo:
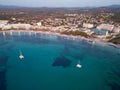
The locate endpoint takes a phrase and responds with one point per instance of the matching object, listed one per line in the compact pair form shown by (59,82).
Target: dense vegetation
(116,17)
(116,40)
(5,17)
(75,33)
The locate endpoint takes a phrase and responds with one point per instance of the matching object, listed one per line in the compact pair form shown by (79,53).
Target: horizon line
(59,6)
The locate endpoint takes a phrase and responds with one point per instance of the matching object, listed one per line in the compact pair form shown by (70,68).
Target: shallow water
(100,63)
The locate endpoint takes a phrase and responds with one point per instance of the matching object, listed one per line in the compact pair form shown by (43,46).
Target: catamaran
(78,65)
(21,55)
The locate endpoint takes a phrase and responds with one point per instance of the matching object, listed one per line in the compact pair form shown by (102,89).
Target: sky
(59,3)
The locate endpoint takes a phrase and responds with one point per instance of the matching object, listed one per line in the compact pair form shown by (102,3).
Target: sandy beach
(93,40)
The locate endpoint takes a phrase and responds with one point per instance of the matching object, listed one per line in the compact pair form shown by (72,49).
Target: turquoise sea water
(100,32)
(100,63)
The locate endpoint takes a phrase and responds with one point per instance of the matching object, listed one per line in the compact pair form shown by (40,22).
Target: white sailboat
(21,56)
(78,65)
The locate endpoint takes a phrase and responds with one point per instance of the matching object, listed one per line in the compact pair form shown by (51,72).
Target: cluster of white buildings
(86,27)
(109,27)
(106,27)
(3,23)
(16,26)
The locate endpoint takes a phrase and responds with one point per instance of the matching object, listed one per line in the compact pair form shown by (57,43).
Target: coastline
(93,40)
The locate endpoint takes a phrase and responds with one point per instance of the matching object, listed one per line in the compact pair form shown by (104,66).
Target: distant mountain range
(113,6)
(9,7)
(17,7)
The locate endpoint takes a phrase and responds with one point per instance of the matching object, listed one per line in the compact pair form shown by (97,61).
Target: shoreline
(92,40)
